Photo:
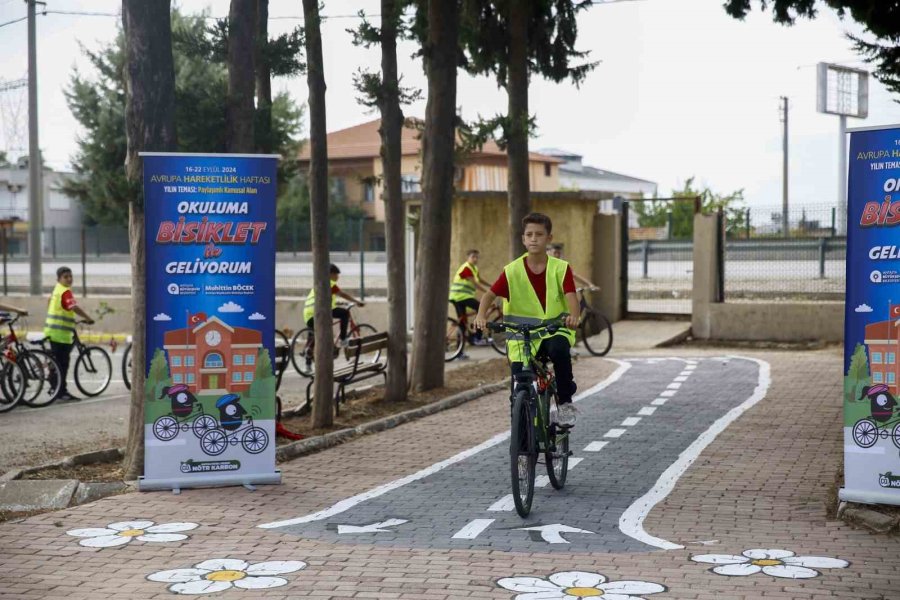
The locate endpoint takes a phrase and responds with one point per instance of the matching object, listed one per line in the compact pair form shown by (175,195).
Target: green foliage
(292,215)
(201,83)
(858,375)
(656,213)
(158,376)
(263,385)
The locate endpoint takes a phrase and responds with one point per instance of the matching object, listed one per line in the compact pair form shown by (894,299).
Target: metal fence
(660,276)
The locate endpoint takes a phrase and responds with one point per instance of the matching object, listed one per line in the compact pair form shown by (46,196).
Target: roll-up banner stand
(872,318)
(209,409)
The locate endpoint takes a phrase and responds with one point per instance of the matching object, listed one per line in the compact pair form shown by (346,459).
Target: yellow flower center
(131,532)
(584,592)
(766,562)
(226,575)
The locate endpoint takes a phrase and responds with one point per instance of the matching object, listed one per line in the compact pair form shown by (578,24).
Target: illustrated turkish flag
(197,318)
(895,311)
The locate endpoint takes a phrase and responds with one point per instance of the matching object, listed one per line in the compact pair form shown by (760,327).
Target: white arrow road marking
(614,433)
(659,401)
(647,411)
(552,534)
(504,503)
(630,421)
(373,528)
(473,529)
(595,446)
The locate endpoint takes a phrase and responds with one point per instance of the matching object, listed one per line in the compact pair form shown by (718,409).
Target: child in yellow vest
(60,325)
(465,284)
(540,287)
(337,312)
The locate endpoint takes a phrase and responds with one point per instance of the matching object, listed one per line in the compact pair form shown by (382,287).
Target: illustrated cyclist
(462,291)
(60,325)
(337,312)
(538,287)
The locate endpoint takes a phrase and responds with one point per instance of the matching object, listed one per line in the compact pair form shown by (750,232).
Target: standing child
(537,287)
(60,325)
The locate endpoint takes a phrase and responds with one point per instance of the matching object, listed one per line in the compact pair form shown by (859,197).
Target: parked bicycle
(93,367)
(41,371)
(12,378)
(462,331)
(532,432)
(596,331)
(303,344)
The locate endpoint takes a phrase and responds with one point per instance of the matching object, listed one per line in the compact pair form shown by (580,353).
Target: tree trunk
(394,218)
(241,48)
(149,126)
(519,201)
(323,404)
(433,266)
(263,80)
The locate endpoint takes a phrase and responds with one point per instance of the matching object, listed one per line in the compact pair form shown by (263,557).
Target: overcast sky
(682,90)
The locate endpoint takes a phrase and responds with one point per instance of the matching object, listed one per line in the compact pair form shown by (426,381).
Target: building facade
(883,343)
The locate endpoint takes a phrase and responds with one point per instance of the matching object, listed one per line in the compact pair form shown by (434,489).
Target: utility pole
(35,182)
(785,220)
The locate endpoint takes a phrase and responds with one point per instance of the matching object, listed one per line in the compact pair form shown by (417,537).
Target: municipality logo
(875,277)
(889,480)
(172,288)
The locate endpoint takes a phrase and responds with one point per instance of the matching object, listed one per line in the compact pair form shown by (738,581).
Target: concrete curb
(307,446)
(675,339)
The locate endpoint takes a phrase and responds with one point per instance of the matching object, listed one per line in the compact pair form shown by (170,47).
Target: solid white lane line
(659,401)
(504,503)
(647,411)
(473,529)
(614,433)
(631,421)
(594,447)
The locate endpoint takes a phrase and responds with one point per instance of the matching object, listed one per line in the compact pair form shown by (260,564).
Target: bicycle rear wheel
(498,338)
(557,457)
(43,377)
(93,371)
(126,366)
(302,349)
(362,330)
(599,344)
(12,384)
(281,339)
(454,340)
(522,454)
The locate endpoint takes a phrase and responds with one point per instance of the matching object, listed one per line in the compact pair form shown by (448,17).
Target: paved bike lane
(636,433)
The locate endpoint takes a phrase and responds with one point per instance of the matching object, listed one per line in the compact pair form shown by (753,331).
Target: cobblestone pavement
(718,469)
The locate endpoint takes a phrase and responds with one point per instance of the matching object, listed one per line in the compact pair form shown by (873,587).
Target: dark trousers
(338,313)
(461,307)
(61,353)
(556,348)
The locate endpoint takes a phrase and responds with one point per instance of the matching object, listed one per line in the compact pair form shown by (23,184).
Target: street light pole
(35,182)
(785,218)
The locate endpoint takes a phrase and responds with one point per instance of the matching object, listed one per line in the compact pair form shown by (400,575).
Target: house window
(369,191)
(213,361)
(190,378)
(877,377)
(876,358)
(189,361)
(410,184)
(892,378)
(891,358)
(248,376)
(236,377)
(238,359)
(176,361)
(177,378)
(251,359)
(547,169)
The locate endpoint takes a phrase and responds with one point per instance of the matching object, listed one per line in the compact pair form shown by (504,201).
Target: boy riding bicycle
(537,287)
(338,312)
(462,291)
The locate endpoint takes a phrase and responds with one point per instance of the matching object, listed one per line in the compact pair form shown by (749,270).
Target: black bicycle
(596,331)
(532,433)
(93,367)
(42,374)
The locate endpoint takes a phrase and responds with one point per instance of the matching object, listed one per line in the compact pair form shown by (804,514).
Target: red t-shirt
(466,273)
(68,300)
(538,282)
(334,289)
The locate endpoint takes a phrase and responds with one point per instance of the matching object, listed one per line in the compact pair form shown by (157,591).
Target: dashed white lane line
(504,503)
(647,411)
(473,529)
(595,446)
(681,378)
(673,386)
(573,462)
(614,433)
(541,481)
(668,393)
(659,401)
(690,367)
(631,421)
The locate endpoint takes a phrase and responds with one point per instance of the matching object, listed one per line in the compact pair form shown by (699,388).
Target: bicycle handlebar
(7,318)
(552,326)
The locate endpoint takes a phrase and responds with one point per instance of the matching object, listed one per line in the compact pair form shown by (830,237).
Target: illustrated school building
(213,357)
(883,342)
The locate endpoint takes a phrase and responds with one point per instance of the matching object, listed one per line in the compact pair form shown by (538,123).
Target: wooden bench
(366,358)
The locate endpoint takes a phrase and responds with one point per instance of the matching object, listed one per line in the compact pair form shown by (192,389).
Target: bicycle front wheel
(360,331)
(302,349)
(43,377)
(93,371)
(597,333)
(522,454)
(12,384)
(126,366)
(557,456)
(454,340)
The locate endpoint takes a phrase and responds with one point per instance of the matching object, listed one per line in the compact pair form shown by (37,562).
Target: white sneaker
(567,414)
(343,343)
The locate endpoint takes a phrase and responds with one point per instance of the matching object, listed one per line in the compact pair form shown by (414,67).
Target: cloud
(231,307)
(162,317)
(256,317)
(863,308)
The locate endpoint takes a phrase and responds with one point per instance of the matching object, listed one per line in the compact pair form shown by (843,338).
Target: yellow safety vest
(60,323)
(524,307)
(463,289)
(309,308)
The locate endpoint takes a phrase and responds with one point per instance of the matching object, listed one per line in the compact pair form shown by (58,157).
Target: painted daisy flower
(777,563)
(118,534)
(574,585)
(220,574)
